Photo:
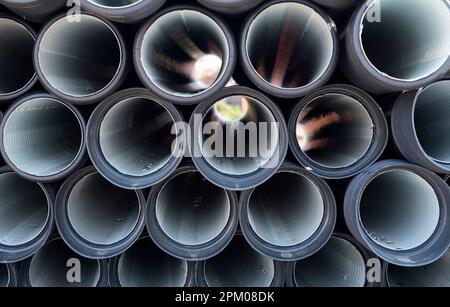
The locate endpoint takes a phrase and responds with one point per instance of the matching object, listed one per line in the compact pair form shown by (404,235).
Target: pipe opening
(24,210)
(184,53)
(334,130)
(286,210)
(100,212)
(406,57)
(135,136)
(289,45)
(337,264)
(42,137)
(16,60)
(239,266)
(4,275)
(79,58)
(191,210)
(116,4)
(432,119)
(48,267)
(399,210)
(145,265)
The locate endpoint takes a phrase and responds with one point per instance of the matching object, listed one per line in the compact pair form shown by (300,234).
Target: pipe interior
(239,266)
(289,45)
(116,4)
(24,210)
(432,121)
(433,275)
(286,210)
(239,135)
(135,136)
(16,60)
(43,137)
(145,265)
(191,210)
(399,210)
(79,58)
(100,212)
(184,53)
(409,57)
(4,275)
(337,264)
(334,130)
(50,267)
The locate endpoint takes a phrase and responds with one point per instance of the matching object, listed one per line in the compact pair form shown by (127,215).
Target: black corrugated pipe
(125,11)
(26,219)
(400,211)
(145,265)
(8,275)
(239,138)
(337,131)
(42,138)
(289,48)
(230,6)
(130,138)
(289,217)
(190,218)
(34,10)
(420,121)
(340,263)
(184,54)
(80,61)
(239,265)
(381,57)
(17,74)
(51,265)
(97,219)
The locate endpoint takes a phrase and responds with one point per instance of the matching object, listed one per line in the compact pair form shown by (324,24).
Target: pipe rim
(229,10)
(112,7)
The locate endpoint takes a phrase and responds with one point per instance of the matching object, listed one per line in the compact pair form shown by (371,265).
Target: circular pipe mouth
(409,58)
(16,58)
(338,264)
(115,4)
(4,275)
(43,137)
(230,6)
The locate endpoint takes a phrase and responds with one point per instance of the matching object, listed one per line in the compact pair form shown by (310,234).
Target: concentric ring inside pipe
(16,56)
(115,3)
(286,210)
(100,212)
(239,266)
(49,267)
(239,135)
(399,210)
(4,275)
(42,137)
(79,59)
(145,265)
(24,210)
(432,120)
(289,45)
(334,130)
(337,264)
(135,136)
(406,57)
(191,210)
(184,53)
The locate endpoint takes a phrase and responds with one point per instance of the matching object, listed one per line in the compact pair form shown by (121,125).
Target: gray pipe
(34,10)
(8,275)
(230,6)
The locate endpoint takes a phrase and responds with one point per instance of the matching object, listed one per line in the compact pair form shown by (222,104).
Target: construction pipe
(42,138)
(399,211)
(222,150)
(26,219)
(97,219)
(289,48)
(34,10)
(289,217)
(240,266)
(230,6)
(420,121)
(86,68)
(124,11)
(130,138)
(51,267)
(337,131)
(190,218)
(380,58)
(17,74)
(8,275)
(184,54)
(145,265)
